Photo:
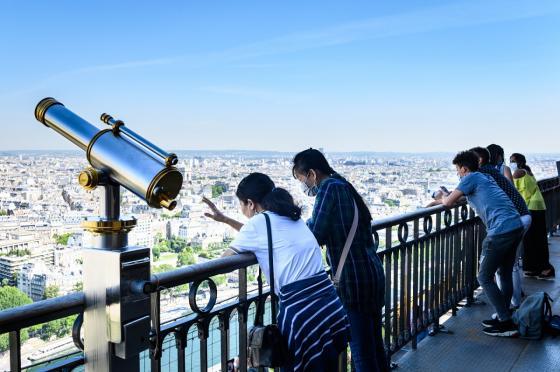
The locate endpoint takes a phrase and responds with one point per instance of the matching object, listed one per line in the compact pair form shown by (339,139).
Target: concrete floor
(468,349)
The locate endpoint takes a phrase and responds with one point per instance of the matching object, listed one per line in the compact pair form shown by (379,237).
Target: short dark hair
(482,153)
(496,152)
(467,159)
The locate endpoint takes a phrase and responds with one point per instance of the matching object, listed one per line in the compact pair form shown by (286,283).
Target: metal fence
(430,258)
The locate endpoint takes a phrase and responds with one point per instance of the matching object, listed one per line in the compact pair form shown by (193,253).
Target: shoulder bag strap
(347,246)
(260,306)
(271,266)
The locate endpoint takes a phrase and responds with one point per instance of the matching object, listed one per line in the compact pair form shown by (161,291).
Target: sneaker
(502,329)
(549,276)
(491,322)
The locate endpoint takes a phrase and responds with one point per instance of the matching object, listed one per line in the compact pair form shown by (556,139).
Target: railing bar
(203,342)
(439,269)
(224,340)
(402,290)
(388,305)
(396,305)
(181,342)
(15,350)
(242,315)
(155,355)
(415,278)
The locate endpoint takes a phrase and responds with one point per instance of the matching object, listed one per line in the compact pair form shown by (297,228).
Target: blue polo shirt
(491,203)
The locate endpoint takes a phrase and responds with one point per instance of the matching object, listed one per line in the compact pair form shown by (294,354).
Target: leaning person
(362,281)
(486,168)
(504,231)
(311,317)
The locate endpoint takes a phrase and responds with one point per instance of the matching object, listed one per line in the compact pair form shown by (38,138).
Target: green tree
(79,286)
(57,328)
(51,291)
(162,268)
(62,239)
(156,252)
(12,297)
(217,190)
(3,212)
(177,244)
(186,257)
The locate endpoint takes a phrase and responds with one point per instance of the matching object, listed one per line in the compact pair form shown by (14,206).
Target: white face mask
(513,166)
(309,190)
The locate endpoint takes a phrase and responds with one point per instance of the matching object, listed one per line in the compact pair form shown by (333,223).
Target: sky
(392,75)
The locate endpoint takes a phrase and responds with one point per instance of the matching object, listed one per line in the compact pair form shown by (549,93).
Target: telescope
(118,157)
(117,154)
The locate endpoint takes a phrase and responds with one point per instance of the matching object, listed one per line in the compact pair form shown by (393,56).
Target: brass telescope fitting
(42,108)
(89,178)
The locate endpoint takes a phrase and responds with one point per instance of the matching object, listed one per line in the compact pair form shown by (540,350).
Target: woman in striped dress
(311,317)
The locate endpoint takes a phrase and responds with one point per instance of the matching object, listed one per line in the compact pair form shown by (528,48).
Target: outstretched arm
(218,216)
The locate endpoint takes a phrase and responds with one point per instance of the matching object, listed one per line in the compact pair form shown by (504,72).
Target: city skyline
(388,76)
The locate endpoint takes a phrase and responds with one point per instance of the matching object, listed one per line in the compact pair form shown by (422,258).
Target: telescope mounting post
(109,266)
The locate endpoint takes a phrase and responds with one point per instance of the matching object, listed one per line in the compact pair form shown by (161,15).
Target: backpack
(533,315)
(553,327)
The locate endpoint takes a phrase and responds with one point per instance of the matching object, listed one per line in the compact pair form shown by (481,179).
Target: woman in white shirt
(311,316)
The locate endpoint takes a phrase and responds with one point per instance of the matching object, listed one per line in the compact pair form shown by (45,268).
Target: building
(33,279)
(10,266)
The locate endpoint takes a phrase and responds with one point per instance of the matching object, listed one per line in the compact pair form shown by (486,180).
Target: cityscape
(42,205)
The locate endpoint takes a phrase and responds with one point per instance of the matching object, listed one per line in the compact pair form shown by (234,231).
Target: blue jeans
(368,352)
(498,256)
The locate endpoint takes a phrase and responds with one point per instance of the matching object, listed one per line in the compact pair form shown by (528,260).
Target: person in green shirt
(536,261)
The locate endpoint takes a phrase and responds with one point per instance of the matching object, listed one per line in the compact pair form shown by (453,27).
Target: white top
(297,254)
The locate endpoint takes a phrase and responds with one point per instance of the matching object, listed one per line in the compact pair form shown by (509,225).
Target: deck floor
(468,349)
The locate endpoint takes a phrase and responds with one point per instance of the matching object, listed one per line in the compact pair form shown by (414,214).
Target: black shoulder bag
(267,346)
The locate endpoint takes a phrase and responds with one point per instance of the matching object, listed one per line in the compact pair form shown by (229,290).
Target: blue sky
(413,76)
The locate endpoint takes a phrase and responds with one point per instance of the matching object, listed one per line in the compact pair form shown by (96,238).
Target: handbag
(349,239)
(267,346)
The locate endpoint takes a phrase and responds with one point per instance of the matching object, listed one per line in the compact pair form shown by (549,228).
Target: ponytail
(260,189)
(281,202)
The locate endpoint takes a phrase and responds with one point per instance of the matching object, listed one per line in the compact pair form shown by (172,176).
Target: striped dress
(314,323)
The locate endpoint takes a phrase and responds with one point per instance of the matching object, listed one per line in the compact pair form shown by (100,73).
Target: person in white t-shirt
(311,316)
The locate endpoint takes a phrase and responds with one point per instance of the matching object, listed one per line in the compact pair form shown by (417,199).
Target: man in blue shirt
(504,232)
(505,184)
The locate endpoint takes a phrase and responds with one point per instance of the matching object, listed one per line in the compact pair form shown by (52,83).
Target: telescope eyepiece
(42,108)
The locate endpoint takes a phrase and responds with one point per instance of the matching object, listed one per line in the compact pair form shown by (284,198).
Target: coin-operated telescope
(116,320)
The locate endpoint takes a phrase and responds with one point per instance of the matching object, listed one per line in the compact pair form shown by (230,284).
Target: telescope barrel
(124,161)
(54,115)
(167,158)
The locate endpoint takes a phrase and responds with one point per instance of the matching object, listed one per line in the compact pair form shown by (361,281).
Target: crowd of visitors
(320,316)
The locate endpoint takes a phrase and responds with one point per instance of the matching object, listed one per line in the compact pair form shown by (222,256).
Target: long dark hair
(260,189)
(521,162)
(496,151)
(314,159)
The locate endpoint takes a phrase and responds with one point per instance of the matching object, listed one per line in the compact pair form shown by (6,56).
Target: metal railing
(430,258)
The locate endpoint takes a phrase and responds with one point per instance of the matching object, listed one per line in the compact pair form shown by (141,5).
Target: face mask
(513,166)
(309,190)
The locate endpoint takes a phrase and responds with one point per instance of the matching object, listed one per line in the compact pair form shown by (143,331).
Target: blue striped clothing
(314,323)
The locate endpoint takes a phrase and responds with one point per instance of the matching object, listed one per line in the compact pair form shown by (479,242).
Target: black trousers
(535,244)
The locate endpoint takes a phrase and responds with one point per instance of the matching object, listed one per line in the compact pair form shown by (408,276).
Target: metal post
(112,316)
